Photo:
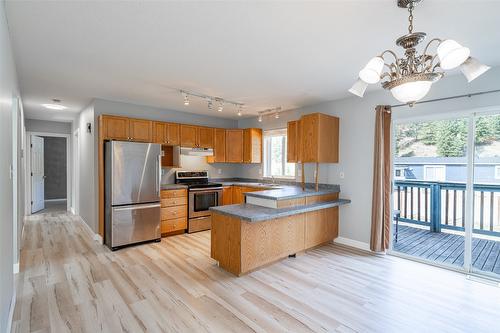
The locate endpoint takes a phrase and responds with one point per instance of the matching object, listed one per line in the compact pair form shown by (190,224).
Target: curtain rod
(451,97)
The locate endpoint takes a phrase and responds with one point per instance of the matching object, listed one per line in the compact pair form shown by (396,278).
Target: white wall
(45,126)
(87,180)
(356,139)
(8,90)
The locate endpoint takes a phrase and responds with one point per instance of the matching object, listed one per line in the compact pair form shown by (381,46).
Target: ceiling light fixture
(260,118)
(240,111)
(54,106)
(269,112)
(210,100)
(410,78)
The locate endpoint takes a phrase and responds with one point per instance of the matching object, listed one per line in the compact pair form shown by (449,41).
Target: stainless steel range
(202,195)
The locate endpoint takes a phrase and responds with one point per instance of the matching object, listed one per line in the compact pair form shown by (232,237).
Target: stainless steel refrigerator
(132,193)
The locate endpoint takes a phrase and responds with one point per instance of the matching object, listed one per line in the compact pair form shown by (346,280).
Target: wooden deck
(448,248)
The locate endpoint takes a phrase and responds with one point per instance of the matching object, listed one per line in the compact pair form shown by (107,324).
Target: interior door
(37,174)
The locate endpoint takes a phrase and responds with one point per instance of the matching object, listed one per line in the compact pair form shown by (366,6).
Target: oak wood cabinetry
(173,211)
(227,195)
(123,128)
(241,247)
(319,138)
(252,145)
(219,147)
(197,137)
(234,145)
(293,142)
(166,133)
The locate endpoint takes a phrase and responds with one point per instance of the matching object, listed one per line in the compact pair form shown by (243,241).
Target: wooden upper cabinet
(219,147)
(205,137)
(319,138)
(234,145)
(188,136)
(115,128)
(292,141)
(252,145)
(159,132)
(141,130)
(173,134)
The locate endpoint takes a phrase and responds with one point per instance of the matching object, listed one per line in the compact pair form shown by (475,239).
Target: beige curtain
(382,165)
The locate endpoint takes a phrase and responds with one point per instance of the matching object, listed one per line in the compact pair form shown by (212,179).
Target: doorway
(48,168)
(446,194)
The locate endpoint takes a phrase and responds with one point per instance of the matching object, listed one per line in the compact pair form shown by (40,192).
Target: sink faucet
(273,180)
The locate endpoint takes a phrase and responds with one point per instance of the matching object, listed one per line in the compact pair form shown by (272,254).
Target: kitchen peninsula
(278,223)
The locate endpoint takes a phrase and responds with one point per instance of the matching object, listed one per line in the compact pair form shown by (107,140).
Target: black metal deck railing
(441,205)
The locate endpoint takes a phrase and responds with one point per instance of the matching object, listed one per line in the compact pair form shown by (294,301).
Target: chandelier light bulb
(472,69)
(451,54)
(372,71)
(359,88)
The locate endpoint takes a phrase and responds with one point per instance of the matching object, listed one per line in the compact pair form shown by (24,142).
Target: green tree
(428,132)
(452,138)
(484,130)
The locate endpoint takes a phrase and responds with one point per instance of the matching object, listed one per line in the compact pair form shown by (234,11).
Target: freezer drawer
(134,224)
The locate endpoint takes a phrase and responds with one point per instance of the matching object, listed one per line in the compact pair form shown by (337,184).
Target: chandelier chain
(410,18)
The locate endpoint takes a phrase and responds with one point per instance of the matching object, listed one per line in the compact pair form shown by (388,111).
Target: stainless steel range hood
(197,151)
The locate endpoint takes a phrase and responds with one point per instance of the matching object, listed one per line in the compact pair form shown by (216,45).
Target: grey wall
(357,119)
(45,126)
(8,89)
(54,149)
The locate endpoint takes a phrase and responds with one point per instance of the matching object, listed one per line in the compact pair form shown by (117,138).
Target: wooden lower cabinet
(174,213)
(227,195)
(241,247)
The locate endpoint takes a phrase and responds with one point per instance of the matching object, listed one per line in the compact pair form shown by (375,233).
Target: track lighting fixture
(271,112)
(277,115)
(221,102)
(260,118)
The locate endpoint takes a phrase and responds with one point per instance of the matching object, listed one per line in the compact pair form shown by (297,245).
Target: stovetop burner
(194,179)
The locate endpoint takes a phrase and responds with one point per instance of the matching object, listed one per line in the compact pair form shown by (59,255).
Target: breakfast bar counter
(245,237)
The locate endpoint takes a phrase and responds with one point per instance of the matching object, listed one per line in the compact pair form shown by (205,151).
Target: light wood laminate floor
(69,283)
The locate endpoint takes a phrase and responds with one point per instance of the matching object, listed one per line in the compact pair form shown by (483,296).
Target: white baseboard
(95,236)
(11,310)
(16,268)
(352,243)
(55,200)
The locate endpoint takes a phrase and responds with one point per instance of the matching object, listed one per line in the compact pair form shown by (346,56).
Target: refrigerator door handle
(136,207)
(158,175)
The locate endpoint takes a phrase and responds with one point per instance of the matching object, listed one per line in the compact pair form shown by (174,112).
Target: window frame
(497,172)
(266,156)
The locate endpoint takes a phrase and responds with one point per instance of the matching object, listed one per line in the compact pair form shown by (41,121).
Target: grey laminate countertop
(254,213)
(172,186)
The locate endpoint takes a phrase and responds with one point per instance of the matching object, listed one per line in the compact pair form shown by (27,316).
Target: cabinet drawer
(173,225)
(167,194)
(173,212)
(179,201)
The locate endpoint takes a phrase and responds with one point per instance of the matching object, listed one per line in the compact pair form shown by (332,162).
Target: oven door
(200,201)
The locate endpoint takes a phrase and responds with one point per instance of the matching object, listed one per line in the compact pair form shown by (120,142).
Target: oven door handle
(212,189)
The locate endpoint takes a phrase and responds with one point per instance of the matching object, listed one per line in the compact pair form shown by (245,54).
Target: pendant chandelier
(410,78)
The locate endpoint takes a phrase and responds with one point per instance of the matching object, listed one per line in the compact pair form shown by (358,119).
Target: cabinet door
(227,195)
(252,145)
(238,197)
(172,133)
(220,146)
(291,146)
(310,140)
(189,136)
(141,130)
(159,132)
(116,128)
(205,137)
(234,146)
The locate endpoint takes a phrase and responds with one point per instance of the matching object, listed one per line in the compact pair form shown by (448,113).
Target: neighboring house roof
(443,160)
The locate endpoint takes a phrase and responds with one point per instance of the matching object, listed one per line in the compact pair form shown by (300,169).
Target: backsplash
(194,163)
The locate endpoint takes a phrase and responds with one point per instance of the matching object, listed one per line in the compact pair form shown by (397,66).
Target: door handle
(118,209)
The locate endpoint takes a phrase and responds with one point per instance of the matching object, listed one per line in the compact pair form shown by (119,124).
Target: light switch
(341,175)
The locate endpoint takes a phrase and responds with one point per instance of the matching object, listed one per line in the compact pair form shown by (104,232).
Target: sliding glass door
(447,173)
(485,249)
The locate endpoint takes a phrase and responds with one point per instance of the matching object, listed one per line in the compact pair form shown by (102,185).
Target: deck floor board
(448,248)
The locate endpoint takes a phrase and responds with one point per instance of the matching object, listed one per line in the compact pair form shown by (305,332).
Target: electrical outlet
(341,175)
(219,171)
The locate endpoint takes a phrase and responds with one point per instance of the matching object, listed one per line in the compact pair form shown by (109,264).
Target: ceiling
(264,54)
